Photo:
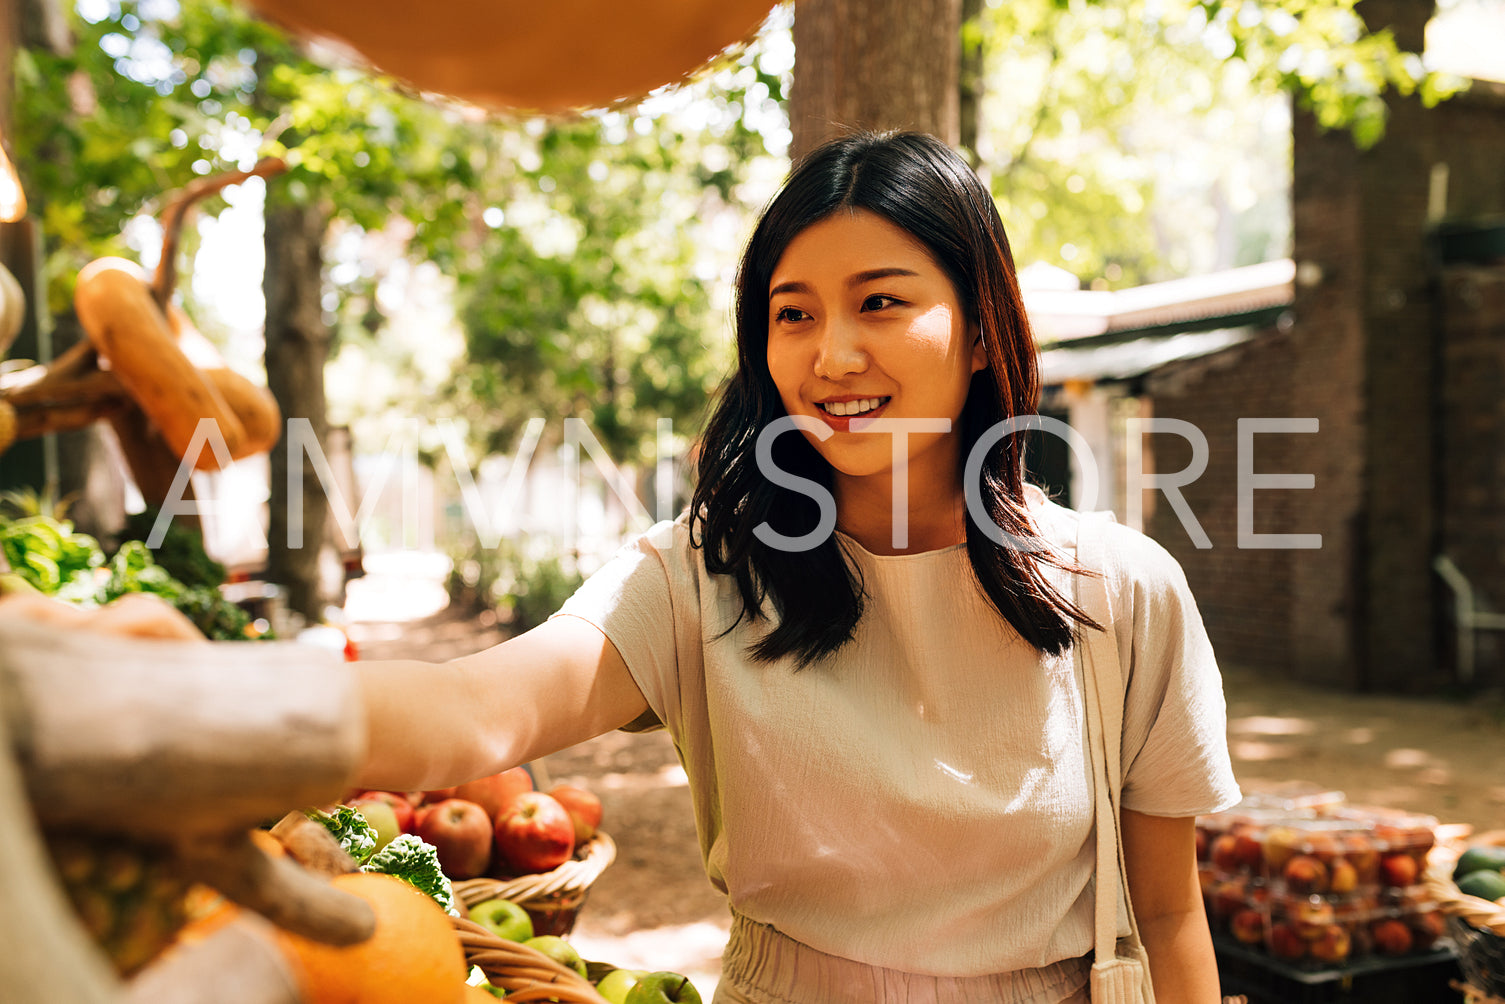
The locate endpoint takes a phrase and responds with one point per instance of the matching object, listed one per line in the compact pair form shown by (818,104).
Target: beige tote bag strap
(1103,684)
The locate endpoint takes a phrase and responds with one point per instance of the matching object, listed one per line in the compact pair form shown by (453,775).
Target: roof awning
(1254,294)
(1124,360)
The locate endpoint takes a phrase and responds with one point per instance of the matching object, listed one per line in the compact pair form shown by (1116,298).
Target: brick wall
(1327,382)
(1471,455)
(1405,373)
(1243,594)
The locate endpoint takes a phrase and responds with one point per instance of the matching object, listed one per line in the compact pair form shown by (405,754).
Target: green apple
(663,988)
(615,985)
(559,950)
(383,820)
(503,918)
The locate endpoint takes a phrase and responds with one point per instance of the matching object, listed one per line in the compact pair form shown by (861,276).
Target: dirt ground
(655,909)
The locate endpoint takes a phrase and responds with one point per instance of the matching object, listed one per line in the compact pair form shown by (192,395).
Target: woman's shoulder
(669,543)
(1133,557)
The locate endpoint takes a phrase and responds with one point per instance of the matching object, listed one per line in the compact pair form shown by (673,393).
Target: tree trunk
(297,346)
(970,83)
(875,64)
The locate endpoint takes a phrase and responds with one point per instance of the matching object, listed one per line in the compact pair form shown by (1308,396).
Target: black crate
(1422,978)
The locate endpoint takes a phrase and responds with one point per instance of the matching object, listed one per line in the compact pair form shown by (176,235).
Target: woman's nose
(840,351)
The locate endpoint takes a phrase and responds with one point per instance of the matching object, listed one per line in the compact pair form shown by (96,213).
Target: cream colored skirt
(762,966)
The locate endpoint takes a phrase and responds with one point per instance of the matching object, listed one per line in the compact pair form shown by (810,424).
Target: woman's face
(864,324)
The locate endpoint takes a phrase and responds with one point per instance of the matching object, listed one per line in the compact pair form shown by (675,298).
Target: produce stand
(1477,925)
(133,770)
(1313,900)
(1423,978)
(175,750)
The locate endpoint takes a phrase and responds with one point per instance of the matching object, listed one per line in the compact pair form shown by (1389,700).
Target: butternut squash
(117,311)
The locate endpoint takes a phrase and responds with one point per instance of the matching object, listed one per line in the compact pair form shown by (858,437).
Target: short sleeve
(631,600)
(1175,731)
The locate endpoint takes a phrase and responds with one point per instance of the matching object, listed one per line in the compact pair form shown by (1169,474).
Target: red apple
(495,792)
(1333,945)
(1285,943)
(1247,849)
(1229,896)
(1305,875)
(1426,928)
(1343,877)
(461,832)
(1398,869)
(401,807)
(535,833)
(1312,916)
(1248,926)
(1224,852)
(584,809)
(1391,936)
(433,796)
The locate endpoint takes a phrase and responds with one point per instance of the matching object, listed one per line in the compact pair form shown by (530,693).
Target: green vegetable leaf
(416,862)
(133,570)
(350,828)
(47,553)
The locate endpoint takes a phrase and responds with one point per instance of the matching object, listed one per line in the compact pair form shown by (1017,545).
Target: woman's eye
(790,315)
(878,301)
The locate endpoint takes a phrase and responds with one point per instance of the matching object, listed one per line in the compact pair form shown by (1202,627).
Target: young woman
(872,689)
(871,684)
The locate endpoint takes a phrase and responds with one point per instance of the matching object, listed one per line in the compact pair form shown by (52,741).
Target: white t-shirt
(921,800)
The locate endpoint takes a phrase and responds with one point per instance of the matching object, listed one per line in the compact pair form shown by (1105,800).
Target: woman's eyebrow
(857,279)
(877,273)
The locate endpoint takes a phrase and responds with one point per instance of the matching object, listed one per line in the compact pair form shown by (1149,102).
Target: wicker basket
(1477,925)
(553,899)
(525,973)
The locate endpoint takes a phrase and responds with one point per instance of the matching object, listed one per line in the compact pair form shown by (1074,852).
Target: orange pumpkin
(552,57)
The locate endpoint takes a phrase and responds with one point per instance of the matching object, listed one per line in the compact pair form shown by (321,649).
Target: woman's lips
(853,423)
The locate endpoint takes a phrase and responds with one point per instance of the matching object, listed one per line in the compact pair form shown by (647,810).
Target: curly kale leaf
(350,828)
(416,862)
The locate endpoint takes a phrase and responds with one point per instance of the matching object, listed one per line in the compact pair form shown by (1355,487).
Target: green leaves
(52,556)
(356,836)
(416,862)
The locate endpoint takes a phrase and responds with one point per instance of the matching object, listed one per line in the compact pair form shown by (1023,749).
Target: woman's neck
(866,511)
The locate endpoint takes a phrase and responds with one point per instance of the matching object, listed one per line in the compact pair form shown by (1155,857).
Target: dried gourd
(8,425)
(12,309)
(254,405)
(117,312)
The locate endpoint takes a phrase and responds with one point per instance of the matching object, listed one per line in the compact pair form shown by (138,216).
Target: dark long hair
(920,185)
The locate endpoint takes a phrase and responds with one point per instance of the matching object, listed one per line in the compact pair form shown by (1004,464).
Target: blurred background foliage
(486,269)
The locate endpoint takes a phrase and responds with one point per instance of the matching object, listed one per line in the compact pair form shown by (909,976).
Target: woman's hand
(136,615)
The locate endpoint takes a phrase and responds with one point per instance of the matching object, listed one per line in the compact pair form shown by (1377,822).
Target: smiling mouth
(851,409)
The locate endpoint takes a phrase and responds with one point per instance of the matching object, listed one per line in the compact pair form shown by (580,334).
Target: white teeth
(846,409)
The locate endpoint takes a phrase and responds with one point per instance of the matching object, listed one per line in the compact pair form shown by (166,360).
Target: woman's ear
(979,350)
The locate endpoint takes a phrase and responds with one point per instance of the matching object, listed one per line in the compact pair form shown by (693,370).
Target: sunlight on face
(864,324)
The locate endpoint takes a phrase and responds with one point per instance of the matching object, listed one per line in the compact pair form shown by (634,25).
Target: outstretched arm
(432,725)
(1161,863)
